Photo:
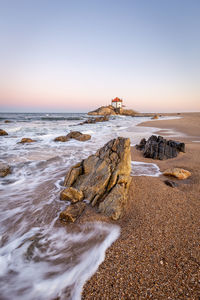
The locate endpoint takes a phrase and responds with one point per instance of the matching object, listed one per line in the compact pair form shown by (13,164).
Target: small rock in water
(26,140)
(78,136)
(103,178)
(61,139)
(177,172)
(4,169)
(7,121)
(155,117)
(160,148)
(73,135)
(3,132)
(72,212)
(171,183)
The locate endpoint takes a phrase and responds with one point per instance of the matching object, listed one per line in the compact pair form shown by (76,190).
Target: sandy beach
(157,255)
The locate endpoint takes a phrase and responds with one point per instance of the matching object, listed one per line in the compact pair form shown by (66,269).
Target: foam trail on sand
(139,168)
(50,263)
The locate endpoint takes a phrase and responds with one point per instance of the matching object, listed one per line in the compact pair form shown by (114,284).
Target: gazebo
(117,102)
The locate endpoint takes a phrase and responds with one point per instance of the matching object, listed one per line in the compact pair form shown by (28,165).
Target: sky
(74,56)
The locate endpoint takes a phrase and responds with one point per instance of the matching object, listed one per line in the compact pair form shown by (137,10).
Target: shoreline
(157,254)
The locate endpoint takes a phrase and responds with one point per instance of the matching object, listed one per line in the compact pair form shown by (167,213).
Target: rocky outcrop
(3,132)
(26,140)
(128,112)
(177,172)
(95,120)
(73,135)
(160,148)
(102,179)
(4,169)
(103,111)
(110,110)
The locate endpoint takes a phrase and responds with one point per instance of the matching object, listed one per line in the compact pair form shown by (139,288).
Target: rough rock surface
(177,172)
(26,140)
(3,132)
(71,194)
(104,177)
(160,148)
(72,212)
(4,169)
(73,135)
(95,120)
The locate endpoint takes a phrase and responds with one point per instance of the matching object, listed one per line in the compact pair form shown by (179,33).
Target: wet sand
(157,255)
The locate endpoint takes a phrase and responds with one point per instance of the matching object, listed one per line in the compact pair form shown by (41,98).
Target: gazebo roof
(116,100)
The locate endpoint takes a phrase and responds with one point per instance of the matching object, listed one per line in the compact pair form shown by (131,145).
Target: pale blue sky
(77,55)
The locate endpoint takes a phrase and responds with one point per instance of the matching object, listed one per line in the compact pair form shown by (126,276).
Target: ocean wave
(61,118)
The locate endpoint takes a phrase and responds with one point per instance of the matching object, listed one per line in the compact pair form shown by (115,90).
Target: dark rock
(160,148)
(103,178)
(7,121)
(171,183)
(3,132)
(4,169)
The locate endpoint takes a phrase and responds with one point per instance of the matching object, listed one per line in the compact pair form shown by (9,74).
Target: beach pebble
(177,172)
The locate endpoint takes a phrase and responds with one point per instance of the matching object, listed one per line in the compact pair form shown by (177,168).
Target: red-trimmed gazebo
(117,102)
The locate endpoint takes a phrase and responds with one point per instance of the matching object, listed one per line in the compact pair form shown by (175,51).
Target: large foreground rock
(160,148)
(4,169)
(3,132)
(103,178)
(73,135)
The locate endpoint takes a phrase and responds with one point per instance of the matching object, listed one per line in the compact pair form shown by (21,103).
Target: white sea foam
(139,168)
(47,262)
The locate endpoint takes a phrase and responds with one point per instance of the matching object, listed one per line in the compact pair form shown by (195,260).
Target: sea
(39,257)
